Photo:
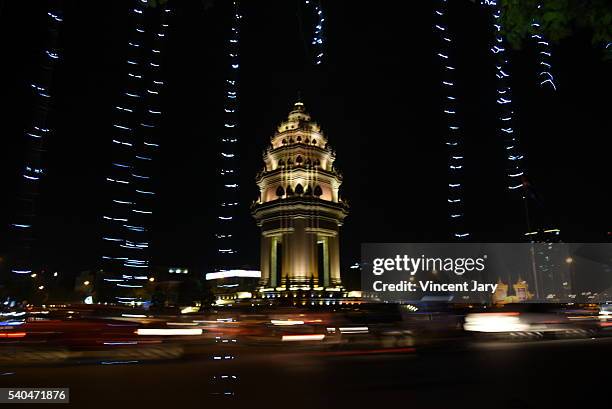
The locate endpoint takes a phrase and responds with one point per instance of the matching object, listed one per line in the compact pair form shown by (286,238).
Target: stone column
(326,265)
(266,244)
(275,268)
(299,252)
(334,259)
(287,256)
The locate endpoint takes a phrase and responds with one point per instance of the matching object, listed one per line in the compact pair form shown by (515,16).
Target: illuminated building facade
(231,287)
(299,209)
(501,292)
(521,292)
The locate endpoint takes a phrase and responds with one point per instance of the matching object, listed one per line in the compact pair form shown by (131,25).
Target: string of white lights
(506,119)
(120,238)
(33,171)
(127,222)
(146,145)
(227,246)
(454,140)
(318,37)
(544,50)
(227,228)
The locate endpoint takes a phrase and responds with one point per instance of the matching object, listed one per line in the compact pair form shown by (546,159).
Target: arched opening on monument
(280,192)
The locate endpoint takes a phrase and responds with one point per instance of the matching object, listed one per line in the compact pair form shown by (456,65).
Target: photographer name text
(409,286)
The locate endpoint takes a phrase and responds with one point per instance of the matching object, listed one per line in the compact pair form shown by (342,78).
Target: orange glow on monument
(299,208)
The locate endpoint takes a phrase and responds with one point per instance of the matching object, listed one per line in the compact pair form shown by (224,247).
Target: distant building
(520,289)
(501,292)
(551,278)
(167,280)
(231,286)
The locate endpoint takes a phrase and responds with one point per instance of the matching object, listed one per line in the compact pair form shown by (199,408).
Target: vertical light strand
(36,135)
(147,145)
(120,238)
(126,262)
(545,76)
(454,138)
(227,245)
(318,35)
(505,121)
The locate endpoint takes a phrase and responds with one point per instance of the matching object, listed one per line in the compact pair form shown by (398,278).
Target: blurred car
(528,320)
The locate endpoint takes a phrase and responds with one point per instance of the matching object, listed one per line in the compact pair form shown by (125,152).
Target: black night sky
(377,98)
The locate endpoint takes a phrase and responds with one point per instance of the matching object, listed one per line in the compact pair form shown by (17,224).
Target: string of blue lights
(545,76)
(126,261)
(318,38)
(39,131)
(454,140)
(226,235)
(506,119)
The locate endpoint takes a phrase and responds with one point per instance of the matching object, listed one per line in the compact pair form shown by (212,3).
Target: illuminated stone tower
(299,209)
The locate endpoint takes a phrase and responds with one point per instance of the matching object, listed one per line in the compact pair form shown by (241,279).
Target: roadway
(493,374)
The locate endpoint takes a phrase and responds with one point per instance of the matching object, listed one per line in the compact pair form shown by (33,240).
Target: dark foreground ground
(517,375)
